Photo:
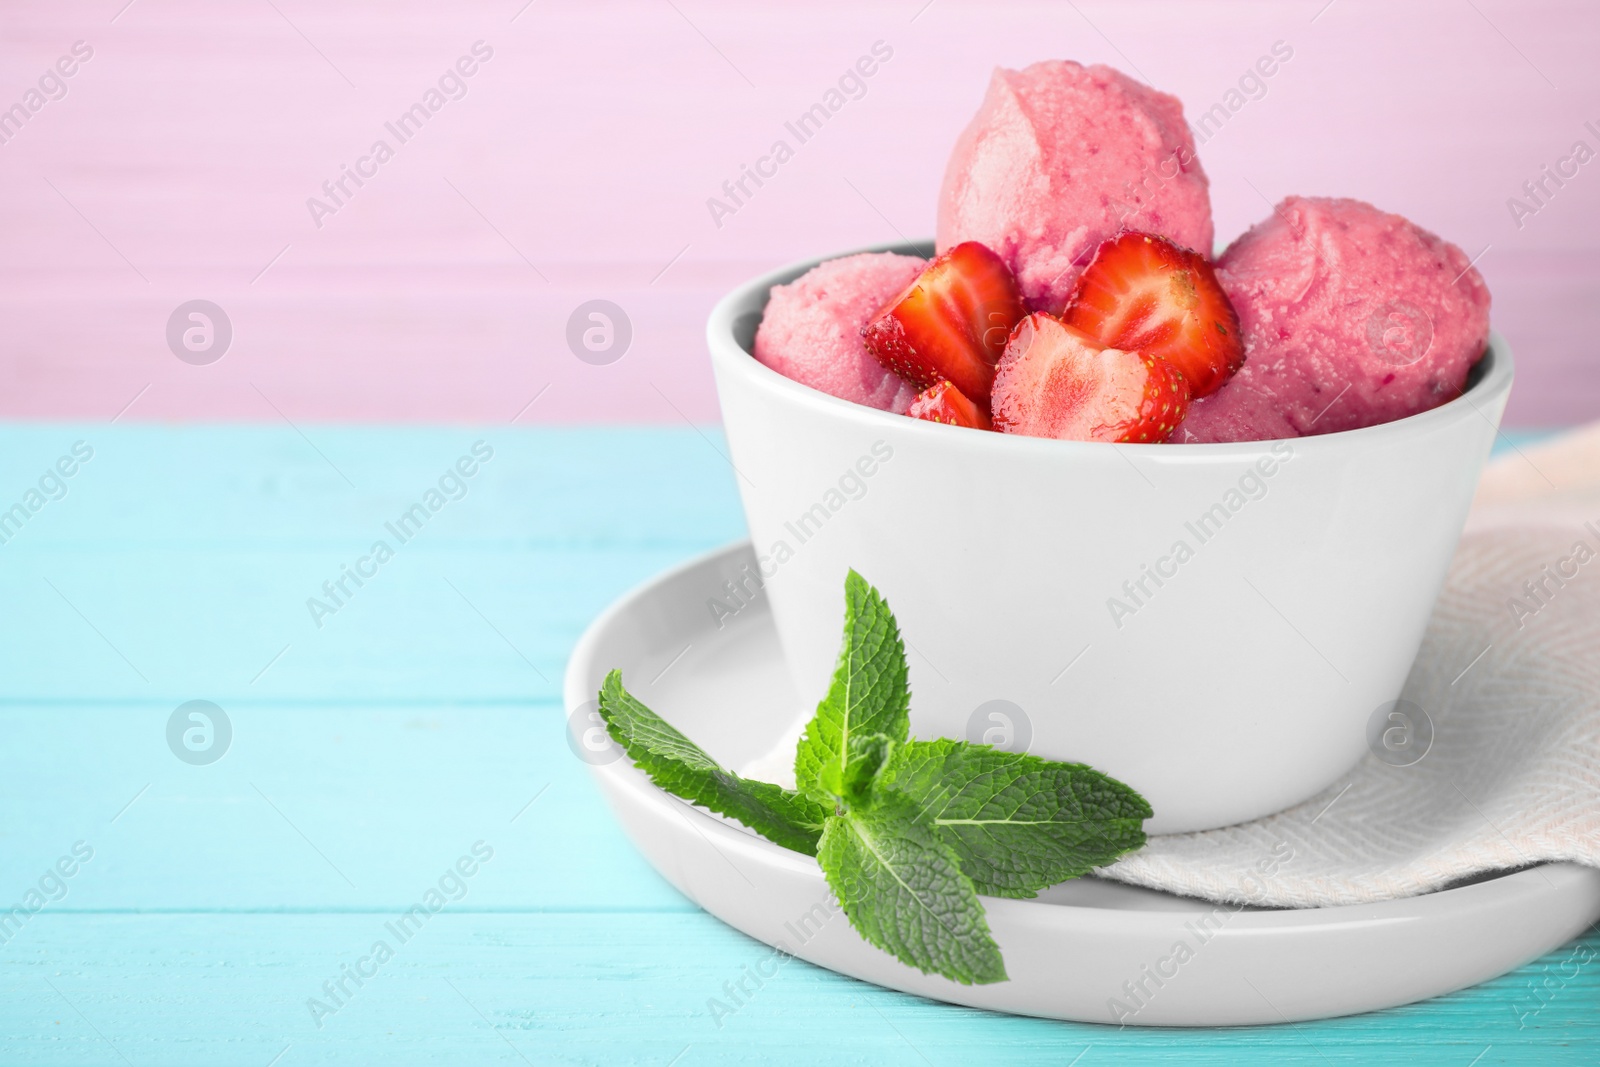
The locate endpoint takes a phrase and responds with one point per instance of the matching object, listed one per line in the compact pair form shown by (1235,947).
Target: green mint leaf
(683,769)
(868,694)
(855,782)
(1018,823)
(904,892)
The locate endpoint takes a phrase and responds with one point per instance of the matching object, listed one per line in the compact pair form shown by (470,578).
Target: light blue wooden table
(421,720)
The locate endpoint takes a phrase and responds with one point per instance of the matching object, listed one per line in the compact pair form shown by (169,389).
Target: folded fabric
(1490,760)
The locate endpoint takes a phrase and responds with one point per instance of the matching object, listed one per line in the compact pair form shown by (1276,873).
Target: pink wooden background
(578,165)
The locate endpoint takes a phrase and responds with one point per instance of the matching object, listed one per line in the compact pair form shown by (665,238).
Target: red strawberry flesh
(951,324)
(1143,293)
(943,402)
(1055,381)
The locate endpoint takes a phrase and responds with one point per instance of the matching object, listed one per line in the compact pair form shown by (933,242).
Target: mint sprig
(908,833)
(1019,823)
(868,695)
(904,891)
(682,768)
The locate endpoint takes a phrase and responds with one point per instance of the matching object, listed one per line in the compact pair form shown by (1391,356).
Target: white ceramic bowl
(1046,601)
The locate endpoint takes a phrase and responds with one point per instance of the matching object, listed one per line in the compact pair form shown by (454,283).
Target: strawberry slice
(1055,381)
(943,402)
(951,323)
(1142,293)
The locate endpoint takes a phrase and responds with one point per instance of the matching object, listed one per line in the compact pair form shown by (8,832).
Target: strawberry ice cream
(811,330)
(1350,317)
(1062,156)
(1074,202)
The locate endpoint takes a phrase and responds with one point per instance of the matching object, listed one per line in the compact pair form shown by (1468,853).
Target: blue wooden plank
(629,988)
(180,563)
(379,748)
(311,807)
(464,624)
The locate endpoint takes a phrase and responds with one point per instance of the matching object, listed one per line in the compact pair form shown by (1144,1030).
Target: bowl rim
(728,355)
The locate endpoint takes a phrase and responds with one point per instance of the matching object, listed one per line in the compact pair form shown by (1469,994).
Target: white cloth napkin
(1508,685)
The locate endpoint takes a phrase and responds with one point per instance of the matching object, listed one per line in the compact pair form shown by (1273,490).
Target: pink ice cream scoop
(1060,157)
(811,330)
(1350,316)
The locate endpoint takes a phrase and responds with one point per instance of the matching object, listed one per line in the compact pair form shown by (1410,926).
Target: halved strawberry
(1055,381)
(951,323)
(943,402)
(1143,293)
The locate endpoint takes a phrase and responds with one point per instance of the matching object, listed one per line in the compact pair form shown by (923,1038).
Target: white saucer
(1077,950)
